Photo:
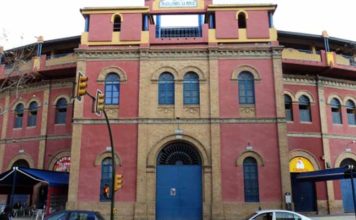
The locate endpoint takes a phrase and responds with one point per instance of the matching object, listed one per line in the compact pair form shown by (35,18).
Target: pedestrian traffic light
(106,191)
(99,101)
(82,84)
(119,181)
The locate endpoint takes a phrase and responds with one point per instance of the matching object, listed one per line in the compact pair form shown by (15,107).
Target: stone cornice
(320,135)
(338,84)
(237,52)
(323,81)
(34,138)
(42,85)
(183,121)
(299,80)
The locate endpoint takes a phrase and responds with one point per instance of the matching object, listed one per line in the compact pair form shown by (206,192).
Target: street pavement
(334,217)
(328,217)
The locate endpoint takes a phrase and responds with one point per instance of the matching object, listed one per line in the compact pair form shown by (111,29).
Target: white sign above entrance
(178,3)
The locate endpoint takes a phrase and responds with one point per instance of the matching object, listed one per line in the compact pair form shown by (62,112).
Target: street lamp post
(102,109)
(113,166)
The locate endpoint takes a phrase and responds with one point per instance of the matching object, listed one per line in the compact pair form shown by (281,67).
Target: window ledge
(165,106)
(17,129)
(338,125)
(306,122)
(191,106)
(114,106)
(59,124)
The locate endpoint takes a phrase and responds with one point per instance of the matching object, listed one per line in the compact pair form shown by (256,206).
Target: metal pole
(13,187)
(113,167)
(351,167)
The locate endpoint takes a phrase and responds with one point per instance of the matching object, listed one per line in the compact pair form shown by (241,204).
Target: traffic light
(106,191)
(119,181)
(99,101)
(82,84)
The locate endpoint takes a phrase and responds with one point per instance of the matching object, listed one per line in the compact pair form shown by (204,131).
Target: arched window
(336,111)
(18,115)
(351,112)
(288,107)
(241,20)
(61,111)
(32,114)
(112,89)
(246,88)
(21,163)
(166,89)
(304,109)
(348,161)
(106,178)
(251,180)
(191,89)
(117,23)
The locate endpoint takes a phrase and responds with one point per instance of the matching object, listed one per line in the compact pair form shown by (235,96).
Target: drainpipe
(13,187)
(322,131)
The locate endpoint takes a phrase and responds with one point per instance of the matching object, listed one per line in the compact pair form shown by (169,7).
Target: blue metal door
(346,192)
(179,192)
(304,195)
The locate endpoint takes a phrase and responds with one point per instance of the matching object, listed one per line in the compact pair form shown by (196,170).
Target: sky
(21,21)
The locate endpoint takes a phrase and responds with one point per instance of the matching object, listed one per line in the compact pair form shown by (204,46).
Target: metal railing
(58,55)
(176,32)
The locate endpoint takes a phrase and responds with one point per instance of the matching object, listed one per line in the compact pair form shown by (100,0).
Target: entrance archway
(303,193)
(345,184)
(21,163)
(179,182)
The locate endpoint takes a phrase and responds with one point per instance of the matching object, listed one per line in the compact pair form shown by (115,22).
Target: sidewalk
(334,217)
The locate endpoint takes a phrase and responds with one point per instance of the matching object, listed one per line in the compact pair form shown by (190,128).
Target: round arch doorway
(179,183)
(345,184)
(21,163)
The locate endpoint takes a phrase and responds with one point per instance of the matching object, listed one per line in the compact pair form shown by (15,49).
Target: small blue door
(304,195)
(179,192)
(346,191)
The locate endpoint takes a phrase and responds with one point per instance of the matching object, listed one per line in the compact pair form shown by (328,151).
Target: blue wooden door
(179,192)
(346,191)
(304,195)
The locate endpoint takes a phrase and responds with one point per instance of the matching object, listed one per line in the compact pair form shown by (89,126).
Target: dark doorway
(303,194)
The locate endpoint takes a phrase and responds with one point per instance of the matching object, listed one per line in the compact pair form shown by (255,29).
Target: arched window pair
(191,91)
(32,115)
(337,115)
(304,108)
